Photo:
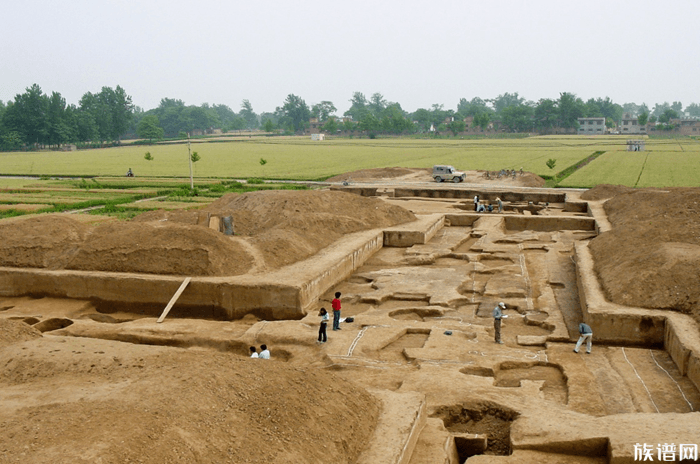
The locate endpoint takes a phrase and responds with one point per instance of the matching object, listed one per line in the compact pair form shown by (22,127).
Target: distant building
(630,125)
(318,137)
(591,126)
(314,126)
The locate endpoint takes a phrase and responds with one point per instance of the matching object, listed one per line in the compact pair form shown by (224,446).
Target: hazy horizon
(412,53)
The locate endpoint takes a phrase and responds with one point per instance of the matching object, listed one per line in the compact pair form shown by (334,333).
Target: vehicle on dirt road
(442,172)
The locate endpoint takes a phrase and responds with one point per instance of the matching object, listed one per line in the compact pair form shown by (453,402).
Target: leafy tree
(659,108)
(358,107)
(677,106)
(149,128)
(551,163)
(121,110)
(668,115)
(294,112)
(473,107)
(631,108)
(506,100)
(249,115)
(482,120)
(570,109)
(269,126)
(323,110)
(148,156)
(28,117)
(517,118)
(195,157)
(642,118)
(59,125)
(652,119)
(456,126)
(369,123)
(423,118)
(546,114)
(693,110)
(331,126)
(349,125)
(225,114)
(238,124)
(10,141)
(377,104)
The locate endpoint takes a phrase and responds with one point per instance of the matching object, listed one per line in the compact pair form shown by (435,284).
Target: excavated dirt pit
(487,419)
(422,324)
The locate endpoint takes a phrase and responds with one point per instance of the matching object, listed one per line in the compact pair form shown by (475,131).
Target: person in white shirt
(253,352)
(264,353)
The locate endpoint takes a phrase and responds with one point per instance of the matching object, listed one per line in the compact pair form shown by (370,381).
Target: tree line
(35,118)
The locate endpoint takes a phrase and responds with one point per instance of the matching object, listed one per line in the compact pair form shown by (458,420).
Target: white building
(591,126)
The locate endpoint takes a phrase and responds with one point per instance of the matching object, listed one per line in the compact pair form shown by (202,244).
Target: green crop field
(663,164)
(301,159)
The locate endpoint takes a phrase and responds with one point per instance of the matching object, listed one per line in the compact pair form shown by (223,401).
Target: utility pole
(189,157)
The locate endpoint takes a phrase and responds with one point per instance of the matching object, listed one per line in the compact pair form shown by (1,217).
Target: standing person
(253,352)
(264,352)
(587,335)
(335,304)
(497,316)
(500,204)
(324,324)
(476,202)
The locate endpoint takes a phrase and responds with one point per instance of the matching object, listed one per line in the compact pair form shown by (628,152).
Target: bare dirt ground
(415,175)
(651,257)
(93,387)
(282,227)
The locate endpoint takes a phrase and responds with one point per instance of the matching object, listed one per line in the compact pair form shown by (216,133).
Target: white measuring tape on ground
(640,379)
(674,381)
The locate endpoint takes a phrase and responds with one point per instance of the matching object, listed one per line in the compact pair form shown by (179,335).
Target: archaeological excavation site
(129,341)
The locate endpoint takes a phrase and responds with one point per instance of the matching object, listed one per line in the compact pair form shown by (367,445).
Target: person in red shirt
(335,304)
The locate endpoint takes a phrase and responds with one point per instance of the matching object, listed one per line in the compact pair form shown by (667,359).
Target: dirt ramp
(651,257)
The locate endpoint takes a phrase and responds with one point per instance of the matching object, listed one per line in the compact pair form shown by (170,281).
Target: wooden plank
(174,299)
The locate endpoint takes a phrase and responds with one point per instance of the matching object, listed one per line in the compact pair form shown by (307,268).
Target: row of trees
(37,118)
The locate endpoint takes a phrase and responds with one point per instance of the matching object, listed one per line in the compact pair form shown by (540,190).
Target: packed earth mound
(288,226)
(59,242)
(85,401)
(275,227)
(16,331)
(605,191)
(651,257)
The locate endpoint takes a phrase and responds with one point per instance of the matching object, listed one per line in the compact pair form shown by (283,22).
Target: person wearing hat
(500,204)
(497,316)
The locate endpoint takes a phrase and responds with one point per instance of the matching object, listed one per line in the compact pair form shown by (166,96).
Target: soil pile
(282,226)
(605,191)
(15,332)
(651,257)
(287,227)
(59,242)
(103,401)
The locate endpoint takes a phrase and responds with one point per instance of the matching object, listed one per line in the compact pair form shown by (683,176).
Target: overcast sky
(416,53)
